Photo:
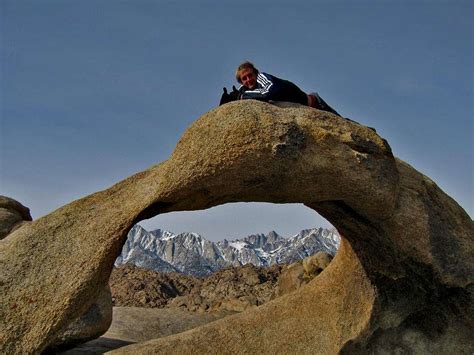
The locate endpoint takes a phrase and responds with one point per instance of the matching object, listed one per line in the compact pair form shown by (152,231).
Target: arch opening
(248,268)
(261,234)
(363,235)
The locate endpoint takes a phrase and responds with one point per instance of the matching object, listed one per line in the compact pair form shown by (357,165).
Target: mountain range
(191,254)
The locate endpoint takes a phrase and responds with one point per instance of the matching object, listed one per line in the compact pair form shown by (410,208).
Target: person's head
(246,74)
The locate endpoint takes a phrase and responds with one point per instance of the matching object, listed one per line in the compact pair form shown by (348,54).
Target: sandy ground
(132,324)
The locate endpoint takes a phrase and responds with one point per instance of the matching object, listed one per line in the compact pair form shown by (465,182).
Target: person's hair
(243,66)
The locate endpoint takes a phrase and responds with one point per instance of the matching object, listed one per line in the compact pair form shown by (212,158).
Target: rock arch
(403,276)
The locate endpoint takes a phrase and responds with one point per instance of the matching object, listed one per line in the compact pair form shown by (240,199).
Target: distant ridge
(192,254)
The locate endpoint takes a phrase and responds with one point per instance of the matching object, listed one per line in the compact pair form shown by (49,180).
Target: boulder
(295,275)
(314,264)
(400,282)
(291,278)
(12,215)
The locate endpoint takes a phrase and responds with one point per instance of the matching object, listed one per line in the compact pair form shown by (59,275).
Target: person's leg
(316,101)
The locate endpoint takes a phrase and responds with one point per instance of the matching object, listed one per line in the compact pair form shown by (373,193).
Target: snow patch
(238,245)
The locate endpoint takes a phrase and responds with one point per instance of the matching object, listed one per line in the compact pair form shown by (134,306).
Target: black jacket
(271,88)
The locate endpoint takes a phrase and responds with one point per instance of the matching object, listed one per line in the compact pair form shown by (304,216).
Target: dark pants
(316,101)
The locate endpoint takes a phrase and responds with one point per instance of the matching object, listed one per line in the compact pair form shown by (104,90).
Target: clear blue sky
(94,91)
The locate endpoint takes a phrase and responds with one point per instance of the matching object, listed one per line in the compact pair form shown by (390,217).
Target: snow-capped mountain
(191,254)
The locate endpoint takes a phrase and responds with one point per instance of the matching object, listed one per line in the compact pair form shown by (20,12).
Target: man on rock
(266,87)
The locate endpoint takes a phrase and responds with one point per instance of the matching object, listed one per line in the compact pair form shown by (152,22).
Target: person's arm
(264,91)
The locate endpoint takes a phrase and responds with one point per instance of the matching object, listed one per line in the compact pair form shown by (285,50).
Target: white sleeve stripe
(260,91)
(262,80)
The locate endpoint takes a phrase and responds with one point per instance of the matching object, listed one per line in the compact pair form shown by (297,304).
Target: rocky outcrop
(136,287)
(231,289)
(402,279)
(12,215)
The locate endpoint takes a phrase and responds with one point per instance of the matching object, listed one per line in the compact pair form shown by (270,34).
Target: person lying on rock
(266,87)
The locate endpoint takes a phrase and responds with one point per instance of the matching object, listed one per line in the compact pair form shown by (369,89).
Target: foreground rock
(96,320)
(402,277)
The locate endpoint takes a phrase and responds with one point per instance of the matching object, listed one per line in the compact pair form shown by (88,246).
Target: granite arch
(381,288)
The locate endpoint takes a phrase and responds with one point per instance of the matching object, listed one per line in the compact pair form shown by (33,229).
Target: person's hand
(225,98)
(235,94)
(228,97)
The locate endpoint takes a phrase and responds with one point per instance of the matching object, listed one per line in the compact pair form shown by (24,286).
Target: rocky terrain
(231,289)
(192,254)
(401,281)
(138,287)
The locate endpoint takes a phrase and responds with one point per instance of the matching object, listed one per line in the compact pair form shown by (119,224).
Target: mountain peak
(162,234)
(192,254)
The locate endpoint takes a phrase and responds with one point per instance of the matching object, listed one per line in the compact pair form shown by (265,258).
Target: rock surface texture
(402,280)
